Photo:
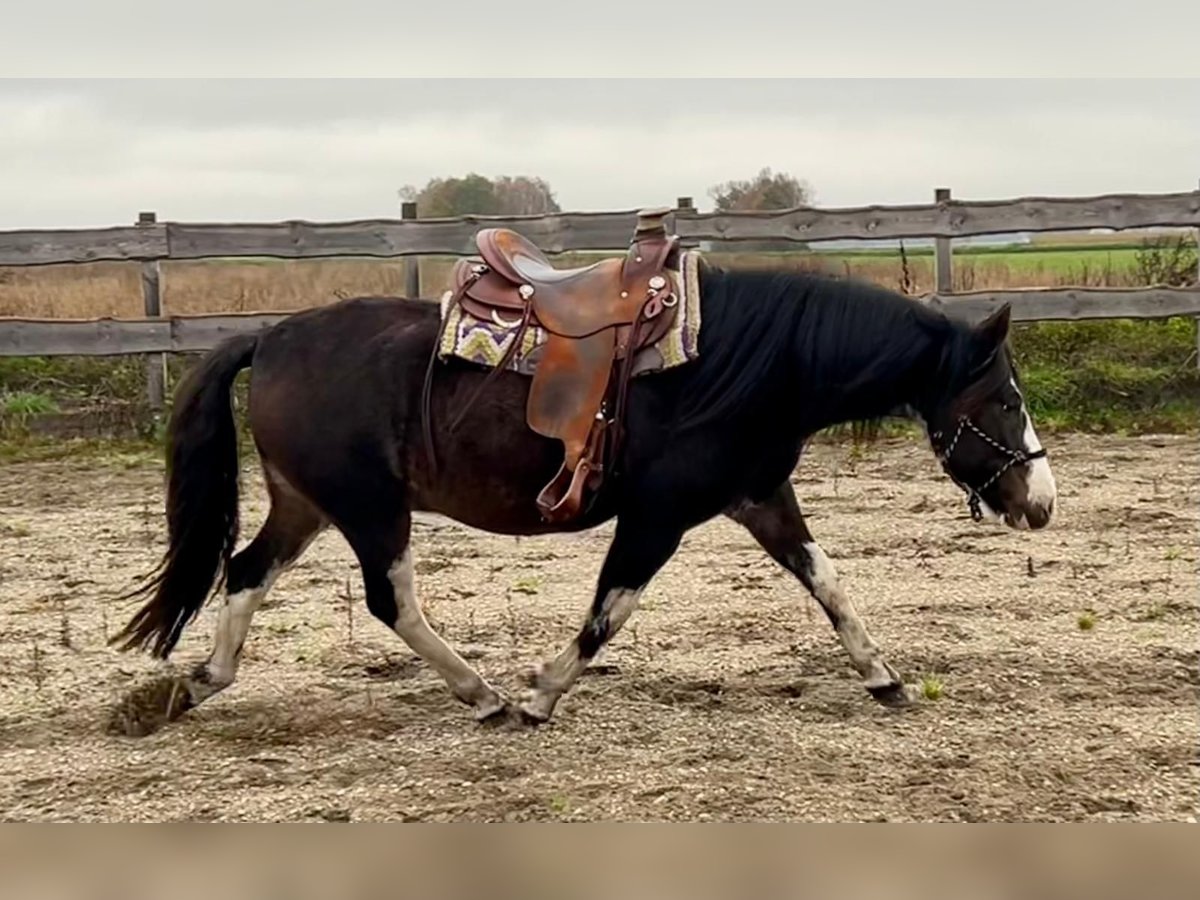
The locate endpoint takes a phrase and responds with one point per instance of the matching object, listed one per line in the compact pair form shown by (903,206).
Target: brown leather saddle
(596,318)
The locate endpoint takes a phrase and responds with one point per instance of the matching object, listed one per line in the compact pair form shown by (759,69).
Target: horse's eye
(1011,406)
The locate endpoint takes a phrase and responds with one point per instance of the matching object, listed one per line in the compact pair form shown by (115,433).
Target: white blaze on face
(1039,483)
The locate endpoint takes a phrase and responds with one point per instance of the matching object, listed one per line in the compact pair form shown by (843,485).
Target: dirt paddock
(727,696)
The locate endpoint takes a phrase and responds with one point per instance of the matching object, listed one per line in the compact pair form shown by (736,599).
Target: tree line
(517,195)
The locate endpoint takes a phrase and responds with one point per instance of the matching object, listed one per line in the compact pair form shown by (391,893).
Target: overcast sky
(96,151)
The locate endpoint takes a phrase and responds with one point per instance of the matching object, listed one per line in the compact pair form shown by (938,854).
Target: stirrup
(570,484)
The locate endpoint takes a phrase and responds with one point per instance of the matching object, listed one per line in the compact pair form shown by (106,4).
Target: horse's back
(353,323)
(339,380)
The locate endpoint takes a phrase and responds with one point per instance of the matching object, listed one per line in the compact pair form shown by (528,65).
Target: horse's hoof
(511,718)
(527,719)
(497,717)
(894,696)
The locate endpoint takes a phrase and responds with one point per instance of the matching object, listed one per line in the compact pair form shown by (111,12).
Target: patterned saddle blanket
(485,342)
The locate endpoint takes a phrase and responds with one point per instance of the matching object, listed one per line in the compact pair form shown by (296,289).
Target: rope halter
(1015,457)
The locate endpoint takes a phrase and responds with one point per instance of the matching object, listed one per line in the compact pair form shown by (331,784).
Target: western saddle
(596,319)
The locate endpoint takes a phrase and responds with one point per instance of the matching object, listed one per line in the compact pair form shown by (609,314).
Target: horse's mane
(759,324)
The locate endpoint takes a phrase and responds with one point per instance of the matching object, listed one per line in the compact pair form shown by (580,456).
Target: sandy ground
(727,697)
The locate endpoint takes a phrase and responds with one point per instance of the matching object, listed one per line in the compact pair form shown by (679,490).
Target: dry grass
(113,289)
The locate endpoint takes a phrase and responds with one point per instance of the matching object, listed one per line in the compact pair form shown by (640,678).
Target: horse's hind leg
(778,525)
(291,525)
(385,554)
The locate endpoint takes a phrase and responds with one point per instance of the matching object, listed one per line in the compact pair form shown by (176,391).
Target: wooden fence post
(685,206)
(412,264)
(156,363)
(943,272)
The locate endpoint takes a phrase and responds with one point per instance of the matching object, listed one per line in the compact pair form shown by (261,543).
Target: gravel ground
(727,696)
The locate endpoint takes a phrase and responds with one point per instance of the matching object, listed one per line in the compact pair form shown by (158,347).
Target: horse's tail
(202,501)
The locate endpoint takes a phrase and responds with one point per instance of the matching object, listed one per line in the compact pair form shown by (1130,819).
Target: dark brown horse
(335,411)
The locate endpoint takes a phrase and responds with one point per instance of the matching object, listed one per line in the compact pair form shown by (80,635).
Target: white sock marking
(619,606)
(414,630)
(557,676)
(863,651)
(233,624)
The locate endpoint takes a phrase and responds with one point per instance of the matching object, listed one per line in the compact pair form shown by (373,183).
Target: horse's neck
(869,379)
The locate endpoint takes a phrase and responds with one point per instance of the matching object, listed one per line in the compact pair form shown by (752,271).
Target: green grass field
(974,267)
(1060,260)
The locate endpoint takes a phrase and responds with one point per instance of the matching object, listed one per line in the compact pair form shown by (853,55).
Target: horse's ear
(994,329)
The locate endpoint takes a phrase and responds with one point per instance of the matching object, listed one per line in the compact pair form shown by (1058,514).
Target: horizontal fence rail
(310,240)
(1073,304)
(185,334)
(592,231)
(151,242)
(947,218)
(119,337)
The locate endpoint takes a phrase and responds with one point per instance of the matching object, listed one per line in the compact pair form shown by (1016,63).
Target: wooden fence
(150,241)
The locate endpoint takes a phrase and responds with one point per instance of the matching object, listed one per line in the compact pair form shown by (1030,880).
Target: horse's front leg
(640,547)
(778,525)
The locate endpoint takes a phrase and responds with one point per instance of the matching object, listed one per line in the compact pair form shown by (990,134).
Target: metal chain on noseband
(1015,457)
